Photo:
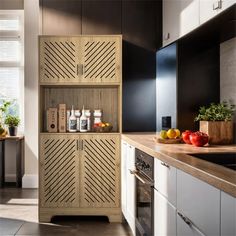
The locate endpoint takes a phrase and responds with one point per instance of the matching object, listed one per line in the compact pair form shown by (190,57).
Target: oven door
(144,204)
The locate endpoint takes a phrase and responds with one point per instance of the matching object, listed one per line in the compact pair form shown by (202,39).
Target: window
(12,61)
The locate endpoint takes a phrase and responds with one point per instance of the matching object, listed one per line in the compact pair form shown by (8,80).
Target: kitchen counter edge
(177,155)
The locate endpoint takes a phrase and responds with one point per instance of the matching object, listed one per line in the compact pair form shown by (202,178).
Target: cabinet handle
(82,69)
(185,219)
(167,36)
(77,145)
(166,165)
(217,5)
(82,145)
(77,69)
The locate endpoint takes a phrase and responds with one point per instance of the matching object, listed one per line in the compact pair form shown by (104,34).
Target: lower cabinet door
(130,188)
(59,171)
(228,215)
(164,216)
(100,170)
(200,202)
(185,228)
(124,151)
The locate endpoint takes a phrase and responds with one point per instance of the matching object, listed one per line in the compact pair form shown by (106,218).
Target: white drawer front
(165,180)
(199,202)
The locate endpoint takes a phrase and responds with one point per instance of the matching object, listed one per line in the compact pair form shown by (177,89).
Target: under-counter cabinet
(228,215)
(198,206)
(79,173)
(211,8)
(128,184)
(165,180)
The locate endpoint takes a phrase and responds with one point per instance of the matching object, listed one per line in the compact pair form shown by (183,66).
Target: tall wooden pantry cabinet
(80,172)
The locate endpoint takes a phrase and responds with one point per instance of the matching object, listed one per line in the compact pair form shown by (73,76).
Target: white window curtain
(12,61)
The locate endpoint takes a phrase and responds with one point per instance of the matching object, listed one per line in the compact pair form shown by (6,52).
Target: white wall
(32,16)
(228,73)
(10,152)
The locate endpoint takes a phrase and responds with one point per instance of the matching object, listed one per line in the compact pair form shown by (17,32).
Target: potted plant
(216,121)
(12,122)
(3,110)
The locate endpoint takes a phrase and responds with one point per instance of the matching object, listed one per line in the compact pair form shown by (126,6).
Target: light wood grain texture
(220,132)
(168,141)
(78,177)
(100,171)
(80,171)
(91,98)
(178,155)
(80,59)
(59,174)
(113,214)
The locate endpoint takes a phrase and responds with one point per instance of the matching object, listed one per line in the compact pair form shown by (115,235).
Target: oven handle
(141,178)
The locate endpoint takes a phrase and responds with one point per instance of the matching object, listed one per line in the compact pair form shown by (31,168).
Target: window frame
(15,35)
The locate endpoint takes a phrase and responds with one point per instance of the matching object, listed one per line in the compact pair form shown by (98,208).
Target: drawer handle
(166,165)
(185,219)
(217,5)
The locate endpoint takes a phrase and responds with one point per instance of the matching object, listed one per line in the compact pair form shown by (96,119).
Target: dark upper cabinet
(101,17)
(61,17)
(142,23)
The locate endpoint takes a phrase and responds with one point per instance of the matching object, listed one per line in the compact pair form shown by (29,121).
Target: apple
(199,139)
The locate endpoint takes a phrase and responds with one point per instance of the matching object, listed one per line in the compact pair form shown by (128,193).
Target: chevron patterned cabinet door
(101,59)
(100,172)
(59,59)
(59,171)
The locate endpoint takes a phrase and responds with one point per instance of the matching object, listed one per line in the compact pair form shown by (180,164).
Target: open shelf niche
(106,98)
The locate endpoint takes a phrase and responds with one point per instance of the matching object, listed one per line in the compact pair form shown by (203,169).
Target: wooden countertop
(177,155)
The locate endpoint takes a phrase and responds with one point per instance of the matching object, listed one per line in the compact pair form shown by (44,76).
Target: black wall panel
(101,17)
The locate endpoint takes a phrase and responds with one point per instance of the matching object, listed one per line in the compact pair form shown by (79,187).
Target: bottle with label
(72,121)
(97,116)
(77,115)
(88,115)
(83,122)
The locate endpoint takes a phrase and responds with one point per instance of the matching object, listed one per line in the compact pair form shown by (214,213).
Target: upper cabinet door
(101,59)
(189,16)
(81,59)
(171,12)
(179,18)
(210,8)
(59,60)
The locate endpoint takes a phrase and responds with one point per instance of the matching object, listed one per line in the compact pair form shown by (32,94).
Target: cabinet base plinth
(113,214)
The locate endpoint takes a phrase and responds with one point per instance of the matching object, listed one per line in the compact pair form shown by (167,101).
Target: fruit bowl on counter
(103,127)
(171,136)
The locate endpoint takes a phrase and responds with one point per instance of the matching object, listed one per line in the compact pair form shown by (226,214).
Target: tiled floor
(19,216)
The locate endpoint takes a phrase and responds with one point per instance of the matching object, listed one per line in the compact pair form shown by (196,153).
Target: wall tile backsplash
(228,73)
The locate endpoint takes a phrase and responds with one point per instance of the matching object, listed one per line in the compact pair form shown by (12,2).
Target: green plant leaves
(216,112)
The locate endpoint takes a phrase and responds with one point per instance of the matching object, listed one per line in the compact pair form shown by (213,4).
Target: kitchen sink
(224,159)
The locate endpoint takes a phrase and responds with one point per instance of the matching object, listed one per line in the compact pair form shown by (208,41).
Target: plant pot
(220,132)
(12,130)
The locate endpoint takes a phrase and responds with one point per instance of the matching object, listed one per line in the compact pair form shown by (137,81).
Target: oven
(144,193)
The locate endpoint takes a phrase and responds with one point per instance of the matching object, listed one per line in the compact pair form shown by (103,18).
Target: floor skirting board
(30,181)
